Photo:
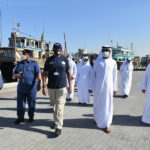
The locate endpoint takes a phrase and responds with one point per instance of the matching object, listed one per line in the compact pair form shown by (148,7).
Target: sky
(88,24)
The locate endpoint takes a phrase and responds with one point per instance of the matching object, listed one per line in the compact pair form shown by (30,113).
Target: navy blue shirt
(57,71)
(29,71)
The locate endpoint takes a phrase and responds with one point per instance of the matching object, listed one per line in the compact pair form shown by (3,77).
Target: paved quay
(79,132)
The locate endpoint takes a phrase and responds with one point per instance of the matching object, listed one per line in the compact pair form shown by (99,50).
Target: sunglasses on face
(105,50)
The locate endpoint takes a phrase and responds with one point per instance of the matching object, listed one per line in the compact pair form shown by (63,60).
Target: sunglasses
(105,50)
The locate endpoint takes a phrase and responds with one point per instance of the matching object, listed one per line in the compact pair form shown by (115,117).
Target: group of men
(99,78)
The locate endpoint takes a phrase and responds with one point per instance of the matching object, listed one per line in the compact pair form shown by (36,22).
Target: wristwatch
(44,86)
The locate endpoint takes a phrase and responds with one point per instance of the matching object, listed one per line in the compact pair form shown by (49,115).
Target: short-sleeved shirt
(57,71)
(29,71)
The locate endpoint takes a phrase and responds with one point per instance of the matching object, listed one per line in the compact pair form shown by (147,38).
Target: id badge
(56,73)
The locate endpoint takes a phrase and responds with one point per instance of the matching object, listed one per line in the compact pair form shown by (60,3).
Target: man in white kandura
(84,80)
(145,86)
(73,69)
(126,70)
(105,86)
(1,80)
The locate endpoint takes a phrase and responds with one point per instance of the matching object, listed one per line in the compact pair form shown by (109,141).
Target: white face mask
(69,59)
(105,54)
(23,57)
(84,62)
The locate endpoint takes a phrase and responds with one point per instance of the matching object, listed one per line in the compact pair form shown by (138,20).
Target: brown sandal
(108,130)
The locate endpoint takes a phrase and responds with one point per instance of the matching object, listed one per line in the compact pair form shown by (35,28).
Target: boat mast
(65,50)
(14,36)
(131,46)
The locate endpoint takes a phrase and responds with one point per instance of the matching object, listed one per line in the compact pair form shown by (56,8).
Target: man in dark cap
(29,75)
(57,69)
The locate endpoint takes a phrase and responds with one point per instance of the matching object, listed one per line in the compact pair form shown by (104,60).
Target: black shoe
(67,99)
(85,104)
(31,119)
(125,96)
(58,132)
(18,121)
(70,99)
(94,122)
(53,126)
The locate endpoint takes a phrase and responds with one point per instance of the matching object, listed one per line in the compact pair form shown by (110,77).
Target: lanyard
(57,63)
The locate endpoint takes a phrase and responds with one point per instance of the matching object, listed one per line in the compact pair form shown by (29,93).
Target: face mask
(57,52)
(105,54)
(84,63)
(69,59)
(23,57)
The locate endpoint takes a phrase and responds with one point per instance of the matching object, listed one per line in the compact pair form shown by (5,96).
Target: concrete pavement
(79,132)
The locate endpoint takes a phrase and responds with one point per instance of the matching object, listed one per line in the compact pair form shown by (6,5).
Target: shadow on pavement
(75,90)
(37,110)
(44,98)
(26,126)
(2,98)
(87,115)
(118,96)
(85,123)
(127,120)
(42,103)
(9,122)
(77,105)
(15,98)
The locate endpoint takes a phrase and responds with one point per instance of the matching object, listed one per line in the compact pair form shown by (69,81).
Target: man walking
(84,80)
(105,81)
(73,69)
(126,70)
(145,86)
(57,69)
(29,75)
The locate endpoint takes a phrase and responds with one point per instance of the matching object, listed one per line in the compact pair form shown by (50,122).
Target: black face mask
(57,52)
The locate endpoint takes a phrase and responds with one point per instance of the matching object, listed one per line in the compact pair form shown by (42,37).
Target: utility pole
(117,44)
(131,46)
(14,38)
(111,43)
(65,50)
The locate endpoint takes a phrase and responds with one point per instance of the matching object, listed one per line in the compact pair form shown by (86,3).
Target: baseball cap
(57,46)
(27,51)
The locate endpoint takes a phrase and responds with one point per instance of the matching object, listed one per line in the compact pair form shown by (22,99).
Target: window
(28,42)
(32,44)
(11,43)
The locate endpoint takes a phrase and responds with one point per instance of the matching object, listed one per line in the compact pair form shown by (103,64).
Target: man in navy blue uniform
(57,69)
(29,75)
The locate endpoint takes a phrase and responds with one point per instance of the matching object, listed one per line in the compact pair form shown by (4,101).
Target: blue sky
(87,23)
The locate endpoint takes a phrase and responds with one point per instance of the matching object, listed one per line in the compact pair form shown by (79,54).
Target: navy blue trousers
(22,98)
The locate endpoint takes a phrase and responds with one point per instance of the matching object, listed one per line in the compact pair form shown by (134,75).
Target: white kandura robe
(145,85)
(84,80)
(105,82)
(1,80)
(126,70)
(73,69)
